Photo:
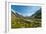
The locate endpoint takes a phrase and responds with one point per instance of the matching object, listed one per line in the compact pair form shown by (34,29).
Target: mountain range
(37,14)
(19,21)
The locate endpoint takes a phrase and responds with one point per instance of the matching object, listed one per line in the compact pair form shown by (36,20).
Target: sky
(25,10)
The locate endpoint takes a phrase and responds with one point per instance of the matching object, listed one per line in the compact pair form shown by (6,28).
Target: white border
(25,29)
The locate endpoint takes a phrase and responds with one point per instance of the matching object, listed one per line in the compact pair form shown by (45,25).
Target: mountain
(37,14)
(19,21)
(16,14)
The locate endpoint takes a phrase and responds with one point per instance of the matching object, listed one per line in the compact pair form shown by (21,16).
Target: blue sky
(25,10)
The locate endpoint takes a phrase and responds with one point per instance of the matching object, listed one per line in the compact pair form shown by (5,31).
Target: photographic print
(23,16)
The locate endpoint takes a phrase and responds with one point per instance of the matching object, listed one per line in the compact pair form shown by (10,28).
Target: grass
(21,23)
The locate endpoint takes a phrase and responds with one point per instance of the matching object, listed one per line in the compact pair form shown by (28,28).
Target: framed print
(24,16)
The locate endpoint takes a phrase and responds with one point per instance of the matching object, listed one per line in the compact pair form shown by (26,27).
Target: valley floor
(25,23)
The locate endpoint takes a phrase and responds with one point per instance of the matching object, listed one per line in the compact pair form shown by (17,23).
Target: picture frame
(8,17)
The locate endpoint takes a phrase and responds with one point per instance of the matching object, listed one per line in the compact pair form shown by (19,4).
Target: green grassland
(20,23)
